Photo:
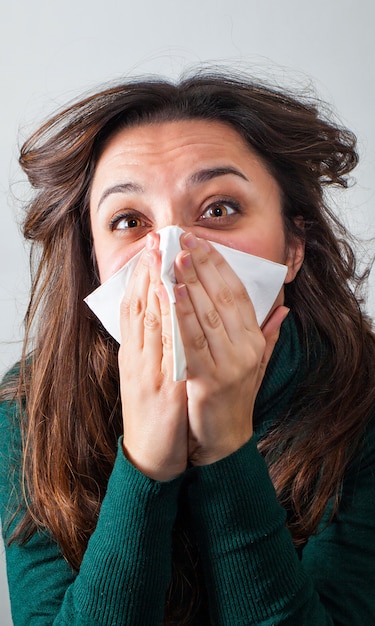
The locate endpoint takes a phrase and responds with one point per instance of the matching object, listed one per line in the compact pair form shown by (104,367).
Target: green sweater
(252,572)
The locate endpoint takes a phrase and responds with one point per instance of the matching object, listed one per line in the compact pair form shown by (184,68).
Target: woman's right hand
(154,407)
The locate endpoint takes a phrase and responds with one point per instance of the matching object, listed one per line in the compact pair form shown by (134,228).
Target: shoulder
(10,424)
(10,449)
(9,408)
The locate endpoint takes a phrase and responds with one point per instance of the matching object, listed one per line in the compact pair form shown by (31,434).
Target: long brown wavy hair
(68,378)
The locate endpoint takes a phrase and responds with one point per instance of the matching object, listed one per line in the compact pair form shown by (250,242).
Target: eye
(125,221)
(220,209)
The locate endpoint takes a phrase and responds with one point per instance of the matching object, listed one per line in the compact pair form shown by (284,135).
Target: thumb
(271,332)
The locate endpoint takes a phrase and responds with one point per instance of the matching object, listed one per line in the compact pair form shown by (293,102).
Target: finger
(158,322)
(223,285)
(213,300)
(192,334)
(166,332)
(133,305)
(209,263)
(152,241)
(198,351)
(152,319)
(205,327)
(271,332)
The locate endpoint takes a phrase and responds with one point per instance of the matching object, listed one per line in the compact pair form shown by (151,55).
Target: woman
(245,494)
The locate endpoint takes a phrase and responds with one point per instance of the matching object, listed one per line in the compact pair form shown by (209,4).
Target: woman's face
(196,174)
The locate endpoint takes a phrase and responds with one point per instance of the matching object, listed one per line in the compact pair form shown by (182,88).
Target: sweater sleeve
(126,569)
(252,571)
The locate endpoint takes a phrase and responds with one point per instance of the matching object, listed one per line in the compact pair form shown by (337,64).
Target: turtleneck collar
(286,368)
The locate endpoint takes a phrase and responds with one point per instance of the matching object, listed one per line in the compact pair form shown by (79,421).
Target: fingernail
(181,290)
(190,240)
(186,259)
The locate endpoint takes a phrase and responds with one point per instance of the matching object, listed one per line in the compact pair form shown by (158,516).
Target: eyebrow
(120,188)
(199,177)
(202,176)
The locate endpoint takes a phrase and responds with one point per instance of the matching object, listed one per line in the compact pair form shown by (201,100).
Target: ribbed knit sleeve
(127,566)
(126,569)
(252,572)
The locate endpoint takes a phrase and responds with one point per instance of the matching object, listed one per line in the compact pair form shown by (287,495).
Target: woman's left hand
(226,351)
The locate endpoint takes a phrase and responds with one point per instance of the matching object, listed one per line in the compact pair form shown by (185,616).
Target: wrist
(200,455)
(158,470)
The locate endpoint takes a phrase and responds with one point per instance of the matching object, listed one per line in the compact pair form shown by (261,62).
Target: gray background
(52,52)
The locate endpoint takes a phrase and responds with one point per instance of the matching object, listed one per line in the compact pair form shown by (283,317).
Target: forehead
(184,140)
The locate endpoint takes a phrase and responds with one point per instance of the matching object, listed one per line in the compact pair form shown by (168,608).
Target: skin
(204,178)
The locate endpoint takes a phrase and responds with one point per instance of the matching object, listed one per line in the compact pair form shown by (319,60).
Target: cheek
(112,256)
(109,255)
(102,253)
(108,266)
(265,244)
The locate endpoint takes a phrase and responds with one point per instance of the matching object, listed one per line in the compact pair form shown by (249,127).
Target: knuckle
(225,295)
(125,307)
(151,320)
(259,345)
(220,262)
(262,341)
(199,342)
(191,279)
(242,294)
(167,341)
(202,258)
(213,318)
(136,306)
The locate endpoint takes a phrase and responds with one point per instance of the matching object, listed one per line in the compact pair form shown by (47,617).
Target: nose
(172,216)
